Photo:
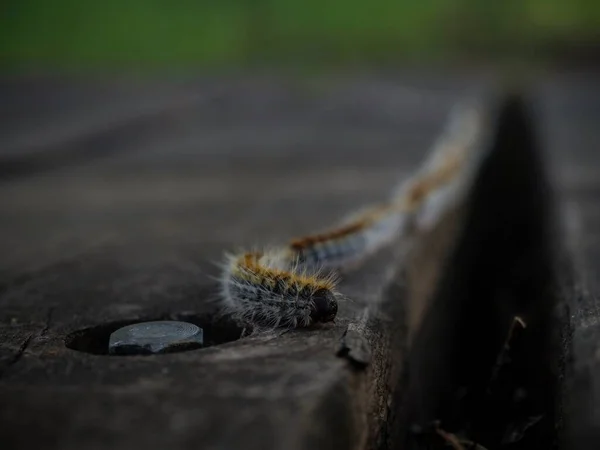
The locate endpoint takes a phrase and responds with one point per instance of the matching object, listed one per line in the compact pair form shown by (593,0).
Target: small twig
(516,322)
(449,438)
(455,442)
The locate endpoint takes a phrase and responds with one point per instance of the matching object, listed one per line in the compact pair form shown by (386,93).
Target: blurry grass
(241,32)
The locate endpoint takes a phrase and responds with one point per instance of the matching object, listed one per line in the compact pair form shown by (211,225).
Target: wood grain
(134,235)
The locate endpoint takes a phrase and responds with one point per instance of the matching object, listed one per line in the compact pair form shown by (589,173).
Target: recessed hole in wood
(95,340)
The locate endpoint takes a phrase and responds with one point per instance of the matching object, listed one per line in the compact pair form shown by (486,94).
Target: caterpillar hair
(357,237)
(447,156)
(445,174)
(287,286)
(265,290)
(424,195)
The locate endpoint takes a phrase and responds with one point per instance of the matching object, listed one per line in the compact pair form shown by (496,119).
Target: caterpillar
(448,170)
(265,290)
(449,152)
(287,286)
(357,237)
(424,195)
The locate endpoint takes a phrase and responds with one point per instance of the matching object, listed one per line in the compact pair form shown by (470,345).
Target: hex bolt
(147,338)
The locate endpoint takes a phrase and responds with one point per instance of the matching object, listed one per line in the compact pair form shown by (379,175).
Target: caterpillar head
(324,306)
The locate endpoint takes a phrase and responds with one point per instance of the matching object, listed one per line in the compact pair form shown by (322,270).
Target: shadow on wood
(498,275)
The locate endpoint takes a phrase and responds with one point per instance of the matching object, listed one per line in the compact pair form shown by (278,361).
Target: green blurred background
(186,33)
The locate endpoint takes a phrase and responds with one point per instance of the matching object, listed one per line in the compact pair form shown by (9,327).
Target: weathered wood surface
(571,114)
(134,235)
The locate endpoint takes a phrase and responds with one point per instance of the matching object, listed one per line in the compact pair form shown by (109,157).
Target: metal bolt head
(149,338)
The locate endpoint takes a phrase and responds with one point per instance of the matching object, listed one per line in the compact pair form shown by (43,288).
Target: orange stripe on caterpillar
(430,189)
(449,171)
(358,224)
(275,288)
(353,240)
(421,187)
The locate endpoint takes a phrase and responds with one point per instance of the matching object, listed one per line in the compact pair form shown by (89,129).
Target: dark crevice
(485,364)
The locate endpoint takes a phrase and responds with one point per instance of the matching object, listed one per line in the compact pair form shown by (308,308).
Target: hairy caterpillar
(446,173)
(424,196)
(346,245)
(448,153)
(258,288)
(285,287)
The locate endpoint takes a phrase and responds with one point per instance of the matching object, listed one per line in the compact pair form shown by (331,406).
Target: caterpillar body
(357,237)
(262,289)
(288,286)
(366,232)
(446,173)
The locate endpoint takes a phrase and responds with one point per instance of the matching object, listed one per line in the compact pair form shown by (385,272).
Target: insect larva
(256,289)
(366,232)
(423,196)
(284,288)
(357,237)
(464,133)
(419,188)
(446,173)
(448,154)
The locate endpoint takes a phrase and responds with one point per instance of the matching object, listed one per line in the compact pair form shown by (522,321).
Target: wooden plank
(572,141)
(134,236)
(49,124)
(101,245)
